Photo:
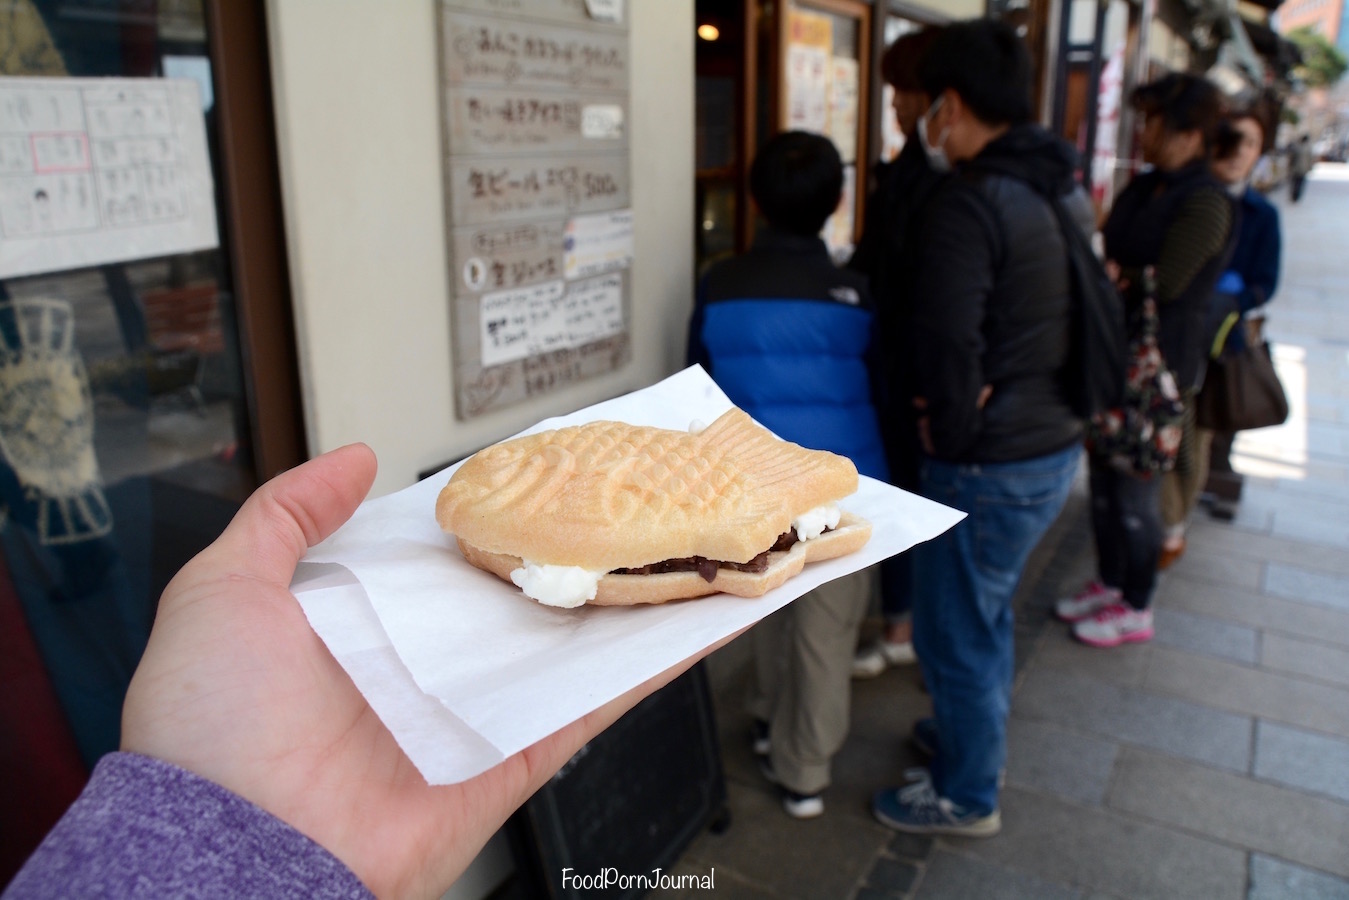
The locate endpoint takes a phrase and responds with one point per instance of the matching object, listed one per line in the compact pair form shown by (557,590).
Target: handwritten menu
(100,170)
(538,181)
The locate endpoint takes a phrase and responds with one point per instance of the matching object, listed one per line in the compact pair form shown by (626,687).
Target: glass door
(129,421)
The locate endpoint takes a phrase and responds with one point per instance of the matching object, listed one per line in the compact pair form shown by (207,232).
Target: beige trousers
(1181,486)
(803,677)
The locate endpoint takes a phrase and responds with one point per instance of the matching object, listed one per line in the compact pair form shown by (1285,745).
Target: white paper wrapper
(465,670)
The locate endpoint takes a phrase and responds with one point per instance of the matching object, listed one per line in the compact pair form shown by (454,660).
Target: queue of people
(972,369)
(942,359)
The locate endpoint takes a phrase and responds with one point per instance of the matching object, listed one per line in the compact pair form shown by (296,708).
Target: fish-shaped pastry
(615,514)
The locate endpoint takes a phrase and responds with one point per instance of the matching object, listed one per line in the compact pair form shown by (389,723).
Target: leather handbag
(1241,390)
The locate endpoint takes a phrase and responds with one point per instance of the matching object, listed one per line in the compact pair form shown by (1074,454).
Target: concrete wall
(358,128)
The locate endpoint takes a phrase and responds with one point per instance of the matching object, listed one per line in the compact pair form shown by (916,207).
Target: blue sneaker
(916,809)
(924,736)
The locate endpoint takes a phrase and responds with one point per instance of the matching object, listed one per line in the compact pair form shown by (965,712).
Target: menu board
(101,170)
(538,183)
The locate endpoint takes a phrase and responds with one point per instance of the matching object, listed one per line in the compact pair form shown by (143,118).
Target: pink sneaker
(1117,624)
(1089,601)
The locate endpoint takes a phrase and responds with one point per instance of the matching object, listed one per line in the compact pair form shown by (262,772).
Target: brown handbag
(1241,390)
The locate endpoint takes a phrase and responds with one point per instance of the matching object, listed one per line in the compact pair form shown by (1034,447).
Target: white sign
(605,10)
(602,121)
(554,316)
(597,243)
(100,170)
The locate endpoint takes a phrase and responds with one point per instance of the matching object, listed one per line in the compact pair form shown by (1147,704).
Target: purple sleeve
(145,828)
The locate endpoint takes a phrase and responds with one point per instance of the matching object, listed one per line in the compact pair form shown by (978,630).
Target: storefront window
(124,444)
(823,88)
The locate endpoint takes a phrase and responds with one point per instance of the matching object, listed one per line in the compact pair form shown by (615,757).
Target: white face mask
(936,154)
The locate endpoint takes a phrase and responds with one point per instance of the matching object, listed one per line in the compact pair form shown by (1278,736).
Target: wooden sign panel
(538,194)
(487,50)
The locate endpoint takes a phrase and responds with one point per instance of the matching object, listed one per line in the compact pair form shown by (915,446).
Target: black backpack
(1098,357)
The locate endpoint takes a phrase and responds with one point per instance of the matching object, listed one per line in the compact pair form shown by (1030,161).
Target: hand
(236,687)
(924,421)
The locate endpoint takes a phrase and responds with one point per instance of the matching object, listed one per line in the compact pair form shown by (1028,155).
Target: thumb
(291,513)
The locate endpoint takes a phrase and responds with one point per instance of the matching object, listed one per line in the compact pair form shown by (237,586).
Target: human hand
(236,687)
(924,423)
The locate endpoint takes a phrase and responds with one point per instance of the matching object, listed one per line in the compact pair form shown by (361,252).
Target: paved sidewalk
(1212,762)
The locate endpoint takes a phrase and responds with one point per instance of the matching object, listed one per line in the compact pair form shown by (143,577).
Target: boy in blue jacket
(786,334)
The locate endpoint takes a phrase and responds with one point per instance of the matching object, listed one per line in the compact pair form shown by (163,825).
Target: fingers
(293,512)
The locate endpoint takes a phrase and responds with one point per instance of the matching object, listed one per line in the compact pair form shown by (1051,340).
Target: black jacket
(1184,223)
(993,302)
(888,255)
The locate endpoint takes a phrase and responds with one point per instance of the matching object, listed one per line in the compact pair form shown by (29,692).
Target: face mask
(1238,189)
(936,155)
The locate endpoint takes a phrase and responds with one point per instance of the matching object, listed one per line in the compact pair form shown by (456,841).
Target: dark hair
(899,63)
(1184,102)
(987,64)
(796,179)
(1228,139)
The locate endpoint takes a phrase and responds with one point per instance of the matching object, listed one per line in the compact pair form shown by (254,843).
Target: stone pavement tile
(1202,563)
(1071,658)
(1243,689)
(892,877)
(1221,537)
(1274,879)
(1311,659)
(763,848)
(1295,583)
(910,846)
(1254,515)
(1135,716)
(1203,634)
(1046,758)
(1259,611)
(724,883)
(1312,521)
(1280,821)
(1316,763)
(1097,849)
(953,877)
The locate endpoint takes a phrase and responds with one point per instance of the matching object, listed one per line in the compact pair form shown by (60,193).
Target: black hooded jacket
(993,303)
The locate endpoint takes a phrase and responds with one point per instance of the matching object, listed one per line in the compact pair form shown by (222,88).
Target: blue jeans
(962,612)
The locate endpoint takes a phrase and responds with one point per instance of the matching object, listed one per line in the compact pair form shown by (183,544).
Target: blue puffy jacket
(787,334)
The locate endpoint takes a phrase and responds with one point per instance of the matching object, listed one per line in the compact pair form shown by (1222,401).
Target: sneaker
(759,740)
(796,804)
(916,809)
(1089,601)
(880,656)
(924,736)
(1117,624)
(802,806)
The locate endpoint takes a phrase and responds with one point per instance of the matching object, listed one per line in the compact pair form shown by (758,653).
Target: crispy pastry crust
(608,495)
(629,590)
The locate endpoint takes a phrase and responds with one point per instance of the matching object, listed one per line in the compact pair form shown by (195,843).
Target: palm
(237,687)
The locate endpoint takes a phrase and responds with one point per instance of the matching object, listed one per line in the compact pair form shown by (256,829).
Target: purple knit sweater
(145,828)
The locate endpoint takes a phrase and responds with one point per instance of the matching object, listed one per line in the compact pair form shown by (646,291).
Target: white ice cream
(564,586)
(810,525)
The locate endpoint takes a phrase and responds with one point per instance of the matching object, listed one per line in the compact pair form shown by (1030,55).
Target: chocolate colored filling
(707,568)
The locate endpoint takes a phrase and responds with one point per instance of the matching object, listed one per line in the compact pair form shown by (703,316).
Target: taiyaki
(614,514)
